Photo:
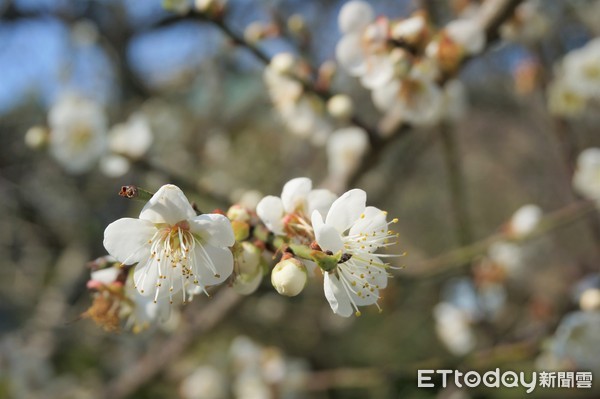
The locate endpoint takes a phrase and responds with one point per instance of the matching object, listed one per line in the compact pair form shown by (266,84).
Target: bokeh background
(217,136)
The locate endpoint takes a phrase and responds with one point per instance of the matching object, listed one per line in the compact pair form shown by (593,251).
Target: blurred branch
(464,255)
(456,184)
(344,378)
(165,352)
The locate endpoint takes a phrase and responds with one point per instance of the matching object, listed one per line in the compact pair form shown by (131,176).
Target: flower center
(176,253)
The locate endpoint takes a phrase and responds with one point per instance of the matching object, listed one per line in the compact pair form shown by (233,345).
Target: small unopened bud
(239,213)
(289,277)
(248,259)
(249,271)
(241,230)
(283,63)
(296,24)
(590,299)
(340,106)
(36,137)
(255,32)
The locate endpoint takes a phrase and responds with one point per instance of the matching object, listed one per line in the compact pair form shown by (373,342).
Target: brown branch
(163,353)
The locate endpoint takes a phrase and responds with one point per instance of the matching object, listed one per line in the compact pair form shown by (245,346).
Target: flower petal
(212,265)
(320,200)
(127,239)
(373,223)
(355,15)
(350,54)
(336,295)
(327,236)
(169,205)
(214,229)
(270,211)
(294,194)
(346,210)
(379,72)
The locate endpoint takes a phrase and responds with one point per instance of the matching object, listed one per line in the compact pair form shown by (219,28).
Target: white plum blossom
(113,165)
(355,232)
(564,100)
(171,246)
(132,138)
(302,113)
(586,179)
(577,81)
(413,100)
(453,327)
(345,149)
(292,211)
(363,49)
(468,34)
(581,69)
(77,133)
(525,220)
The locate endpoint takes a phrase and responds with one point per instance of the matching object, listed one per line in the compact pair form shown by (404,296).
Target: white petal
(213,264)
(336,296)
(214,229)
(360,293)
(346,210)
(351,55)
(355,15)
(327,236)
(294,194)
(378,275)
(105,276)
(380,71)
(374,221)
(467,33)
(169,205)
(270,211)
(127,239)
(320,200)
(384,97)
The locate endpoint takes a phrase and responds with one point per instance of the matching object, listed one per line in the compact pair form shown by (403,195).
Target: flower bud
(296,24)
(340,106)
(36,137)
(590,299)
(249,271)
(289,277)
(283,63)
(238,213)
(255,32)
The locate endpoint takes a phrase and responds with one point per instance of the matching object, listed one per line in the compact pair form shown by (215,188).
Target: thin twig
(461,256)
(456,185)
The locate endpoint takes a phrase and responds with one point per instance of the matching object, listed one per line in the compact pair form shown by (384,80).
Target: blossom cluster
(483,296)
(577,83)
(78,137)
(171,253)
(404,61)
